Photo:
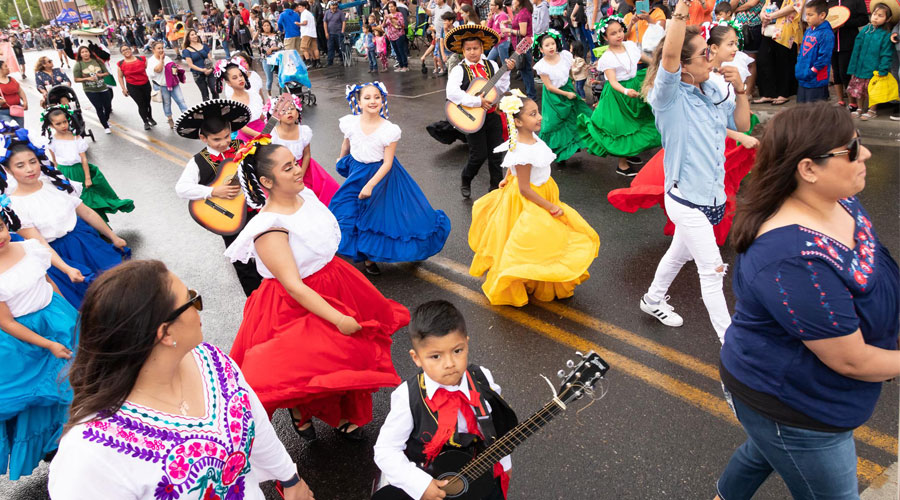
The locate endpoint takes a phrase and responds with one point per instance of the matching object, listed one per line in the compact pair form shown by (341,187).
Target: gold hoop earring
(688,73)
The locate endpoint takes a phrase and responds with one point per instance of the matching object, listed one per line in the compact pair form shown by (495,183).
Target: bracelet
(741,92)
(680,17)
(291,482)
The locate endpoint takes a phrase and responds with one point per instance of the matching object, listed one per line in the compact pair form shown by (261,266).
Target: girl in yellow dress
(528,241)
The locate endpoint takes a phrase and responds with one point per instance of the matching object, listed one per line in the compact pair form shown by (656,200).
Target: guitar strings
(604,388)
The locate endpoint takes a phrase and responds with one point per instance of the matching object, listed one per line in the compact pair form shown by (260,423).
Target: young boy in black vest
(471,40)
(448,405)
(212,123)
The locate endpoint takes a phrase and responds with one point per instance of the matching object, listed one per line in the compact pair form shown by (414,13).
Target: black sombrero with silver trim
(456,36)
(188,124)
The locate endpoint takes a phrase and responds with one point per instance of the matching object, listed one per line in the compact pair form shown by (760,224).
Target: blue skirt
(85,250)
(34,389)
(395,224)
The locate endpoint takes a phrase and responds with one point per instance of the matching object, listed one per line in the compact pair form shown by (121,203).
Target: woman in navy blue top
(196,55)
(815,327)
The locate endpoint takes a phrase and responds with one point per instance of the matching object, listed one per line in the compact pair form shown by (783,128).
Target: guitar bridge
(219,208)
(465,112)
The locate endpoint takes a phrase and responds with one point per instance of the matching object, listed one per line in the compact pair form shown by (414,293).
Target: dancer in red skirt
(316,335)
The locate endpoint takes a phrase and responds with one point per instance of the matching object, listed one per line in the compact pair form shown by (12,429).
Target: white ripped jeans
(694,239)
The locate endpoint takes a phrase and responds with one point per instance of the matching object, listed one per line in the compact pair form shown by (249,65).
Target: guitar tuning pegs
(561,374)
(570,364)
(579,354)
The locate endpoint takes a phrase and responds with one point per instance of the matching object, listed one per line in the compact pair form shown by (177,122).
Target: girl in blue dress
(383,214)
(51,212)
(37,335)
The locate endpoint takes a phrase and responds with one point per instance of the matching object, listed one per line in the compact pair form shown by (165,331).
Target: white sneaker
(663,312)
(108,131)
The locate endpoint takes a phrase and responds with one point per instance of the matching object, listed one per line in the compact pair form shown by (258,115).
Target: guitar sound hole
(457,485)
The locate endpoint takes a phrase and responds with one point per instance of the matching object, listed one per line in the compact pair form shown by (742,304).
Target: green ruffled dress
(559,126)
(100,196)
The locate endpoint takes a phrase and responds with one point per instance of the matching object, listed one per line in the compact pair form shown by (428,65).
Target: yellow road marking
(864,434)
(144,136)
(867,470)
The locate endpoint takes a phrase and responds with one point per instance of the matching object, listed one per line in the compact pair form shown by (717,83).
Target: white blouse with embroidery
(625,63)
(49,210)
(538,155)
(68,152)
(313,234)
(368,148)
(297,145)
(24,287)
(559,72)
(141,453)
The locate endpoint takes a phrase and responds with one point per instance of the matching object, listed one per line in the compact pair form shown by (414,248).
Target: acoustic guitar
(470,120)
(471,476)
(221,215)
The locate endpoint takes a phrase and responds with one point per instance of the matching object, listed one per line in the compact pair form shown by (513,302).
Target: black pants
(334,46)
(246,273)
(775,69)
(481,147)
(840,61)
(207,85)
(102,102)
(141,96)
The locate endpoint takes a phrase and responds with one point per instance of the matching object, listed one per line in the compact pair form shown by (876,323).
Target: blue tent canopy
(67,16)
(86,16)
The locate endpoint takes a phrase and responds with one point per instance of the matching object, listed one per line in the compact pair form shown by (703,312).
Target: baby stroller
(293,75)
(63,94)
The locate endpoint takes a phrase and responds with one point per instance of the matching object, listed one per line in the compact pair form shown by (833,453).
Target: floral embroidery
(208,457)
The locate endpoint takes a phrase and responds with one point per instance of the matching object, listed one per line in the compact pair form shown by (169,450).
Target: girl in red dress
(316,335)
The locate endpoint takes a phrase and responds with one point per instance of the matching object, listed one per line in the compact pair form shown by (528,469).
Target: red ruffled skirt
(293,358)
(648,187)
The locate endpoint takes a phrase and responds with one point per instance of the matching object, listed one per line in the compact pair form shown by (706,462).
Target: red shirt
(135,72)
(10,91)
(245,15)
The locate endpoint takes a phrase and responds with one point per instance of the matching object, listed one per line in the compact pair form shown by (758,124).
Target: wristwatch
(291,482)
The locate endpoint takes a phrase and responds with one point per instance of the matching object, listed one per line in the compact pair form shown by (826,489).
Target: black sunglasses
(195,301)
(852,151)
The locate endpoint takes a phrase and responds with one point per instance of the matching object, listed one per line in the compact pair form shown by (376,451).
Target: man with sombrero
(212,122)
(471,41)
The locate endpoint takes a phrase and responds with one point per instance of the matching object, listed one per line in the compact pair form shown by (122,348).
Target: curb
(883,487)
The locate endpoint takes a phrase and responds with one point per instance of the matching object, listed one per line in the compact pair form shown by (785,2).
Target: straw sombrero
(233,112)
(455,37)
(894,5)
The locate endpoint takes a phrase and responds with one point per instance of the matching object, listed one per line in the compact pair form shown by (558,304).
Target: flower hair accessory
(511,104)
(4,200)
(249,149)
(222,64)
(707,27)
(603,24)
(45,122)
(538,40)
(352,94)
(20,135)
(267,108)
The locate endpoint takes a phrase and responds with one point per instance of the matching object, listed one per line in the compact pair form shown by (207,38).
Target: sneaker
(628,172)
(466,191)
(373,269)
(634,160)
(147,126)
(895,116)
(108,131)
(663,312)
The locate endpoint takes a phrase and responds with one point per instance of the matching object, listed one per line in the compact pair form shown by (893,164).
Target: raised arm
(674,40)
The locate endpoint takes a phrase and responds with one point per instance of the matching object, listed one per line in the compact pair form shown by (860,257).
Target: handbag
(156,96)
(17,111)
(881,89)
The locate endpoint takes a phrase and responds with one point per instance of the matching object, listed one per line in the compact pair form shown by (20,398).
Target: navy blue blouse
(794,284)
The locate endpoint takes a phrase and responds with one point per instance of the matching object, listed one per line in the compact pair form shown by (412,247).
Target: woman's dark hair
(78,52)
(120,315)
(887,14)
(264,23)
(717,34)
(47,168)
(527,5)
(8,217)
(470,15)
(187,38)
(435,319)
(690,33)
(804,131)
(252,169)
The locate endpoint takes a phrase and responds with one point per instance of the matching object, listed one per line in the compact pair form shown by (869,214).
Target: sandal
(308,434)
(780,101)
(354,435)
(373,269)
(868,115)
(763,100)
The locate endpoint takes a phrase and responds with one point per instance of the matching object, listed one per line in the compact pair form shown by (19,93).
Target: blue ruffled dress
(396,223)
(34,390)
(52,212)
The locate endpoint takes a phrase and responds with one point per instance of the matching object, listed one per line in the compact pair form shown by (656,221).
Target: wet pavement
(662,430)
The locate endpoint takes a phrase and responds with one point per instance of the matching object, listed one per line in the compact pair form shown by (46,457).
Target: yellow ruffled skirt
(525,250)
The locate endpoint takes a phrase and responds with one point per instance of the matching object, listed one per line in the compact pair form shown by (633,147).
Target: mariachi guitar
(470,120)
(221,215)
(471,476)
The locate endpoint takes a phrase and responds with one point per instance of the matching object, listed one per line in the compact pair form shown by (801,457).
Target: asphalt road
(662,430)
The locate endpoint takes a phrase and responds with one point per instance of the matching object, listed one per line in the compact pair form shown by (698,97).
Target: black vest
(207,167)
(425,422)
(469,75)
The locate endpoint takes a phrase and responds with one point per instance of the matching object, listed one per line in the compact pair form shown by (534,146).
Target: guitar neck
(270,125)
(494,79)
(505,445)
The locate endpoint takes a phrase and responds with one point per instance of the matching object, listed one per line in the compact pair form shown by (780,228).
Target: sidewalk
(884,487)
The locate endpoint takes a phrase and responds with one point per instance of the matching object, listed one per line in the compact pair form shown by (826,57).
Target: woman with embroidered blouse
(814,333)
(157,413)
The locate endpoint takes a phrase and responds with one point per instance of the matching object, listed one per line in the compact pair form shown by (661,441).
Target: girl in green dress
(622,124)
(67,151)
(560,105)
